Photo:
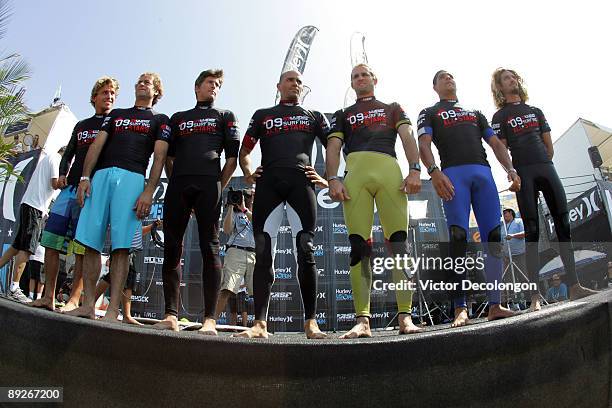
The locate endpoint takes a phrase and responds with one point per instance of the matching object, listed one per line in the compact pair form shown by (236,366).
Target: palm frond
(5,14)
(12,109)
(13,70)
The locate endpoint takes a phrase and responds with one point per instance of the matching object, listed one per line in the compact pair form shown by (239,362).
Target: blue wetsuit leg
(457,212)
(485,202)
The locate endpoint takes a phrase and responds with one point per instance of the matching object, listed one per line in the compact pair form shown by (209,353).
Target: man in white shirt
(34,204)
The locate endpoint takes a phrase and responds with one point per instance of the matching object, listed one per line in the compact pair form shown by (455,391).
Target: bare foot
(578,292)
(82,311)
(311,328)
(209,327)
(44,302)
(169,322)
(360,330)
(111,316)
(461,317)
(131,320)
(69,306)
(535,303)
(499,312)
(258,331)
(406,325)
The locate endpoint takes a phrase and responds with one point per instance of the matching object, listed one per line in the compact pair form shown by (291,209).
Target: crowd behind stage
(104,196)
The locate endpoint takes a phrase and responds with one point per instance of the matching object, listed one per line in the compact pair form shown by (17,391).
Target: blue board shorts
(114,192)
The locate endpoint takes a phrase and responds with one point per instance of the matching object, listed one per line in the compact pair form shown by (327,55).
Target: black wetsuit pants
(275,188)
(543,177)
(202,194)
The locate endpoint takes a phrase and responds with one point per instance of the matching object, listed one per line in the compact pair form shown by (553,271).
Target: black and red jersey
(522,127)
(198,137)
(369,125)
(457,133)
(286,132)
(83,135)
(132,134)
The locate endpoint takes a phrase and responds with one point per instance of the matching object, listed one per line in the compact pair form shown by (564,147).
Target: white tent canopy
(601,137)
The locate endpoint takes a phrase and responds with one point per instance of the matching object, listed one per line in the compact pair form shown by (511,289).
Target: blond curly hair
(498,96)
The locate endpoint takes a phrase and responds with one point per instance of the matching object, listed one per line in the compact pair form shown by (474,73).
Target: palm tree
(13,72)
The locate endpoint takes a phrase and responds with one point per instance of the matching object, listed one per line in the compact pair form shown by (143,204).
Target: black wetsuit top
(369,125)
(456,132)
(522,126)
(132,134)
(83,135)
(199,135)
(287,132)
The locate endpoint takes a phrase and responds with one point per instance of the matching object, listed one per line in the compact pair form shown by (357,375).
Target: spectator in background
(18,146)
(558,290)
(239,304)
(35,143)
(513,237)
(239,260)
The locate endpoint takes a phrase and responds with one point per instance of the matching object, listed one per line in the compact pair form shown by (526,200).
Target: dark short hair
(284,74)
(435,78)
(511,211)
(215,73)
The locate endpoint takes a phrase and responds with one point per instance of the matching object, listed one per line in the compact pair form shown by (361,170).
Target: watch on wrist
(432,168)
(330,178)
(84,179)
(415,166)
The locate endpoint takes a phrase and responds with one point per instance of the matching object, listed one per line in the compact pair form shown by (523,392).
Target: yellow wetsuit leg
(374,176)
(359,217)
(392,206)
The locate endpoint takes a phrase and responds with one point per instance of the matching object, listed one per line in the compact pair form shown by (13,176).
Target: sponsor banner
(298,51)
(12,191)
(590,220)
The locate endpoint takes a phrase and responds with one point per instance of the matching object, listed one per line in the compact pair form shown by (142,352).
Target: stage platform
(558,357)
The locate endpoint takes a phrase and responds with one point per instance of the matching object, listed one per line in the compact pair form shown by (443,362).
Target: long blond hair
(498,96)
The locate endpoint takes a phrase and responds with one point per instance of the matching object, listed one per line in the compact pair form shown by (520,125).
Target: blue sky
(561,50)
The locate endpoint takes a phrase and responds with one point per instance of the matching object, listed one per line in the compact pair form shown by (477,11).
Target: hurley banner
(298,51)
(584,210)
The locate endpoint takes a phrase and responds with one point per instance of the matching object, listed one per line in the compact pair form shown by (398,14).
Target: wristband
(415,167)
(84,179)
(432,168)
